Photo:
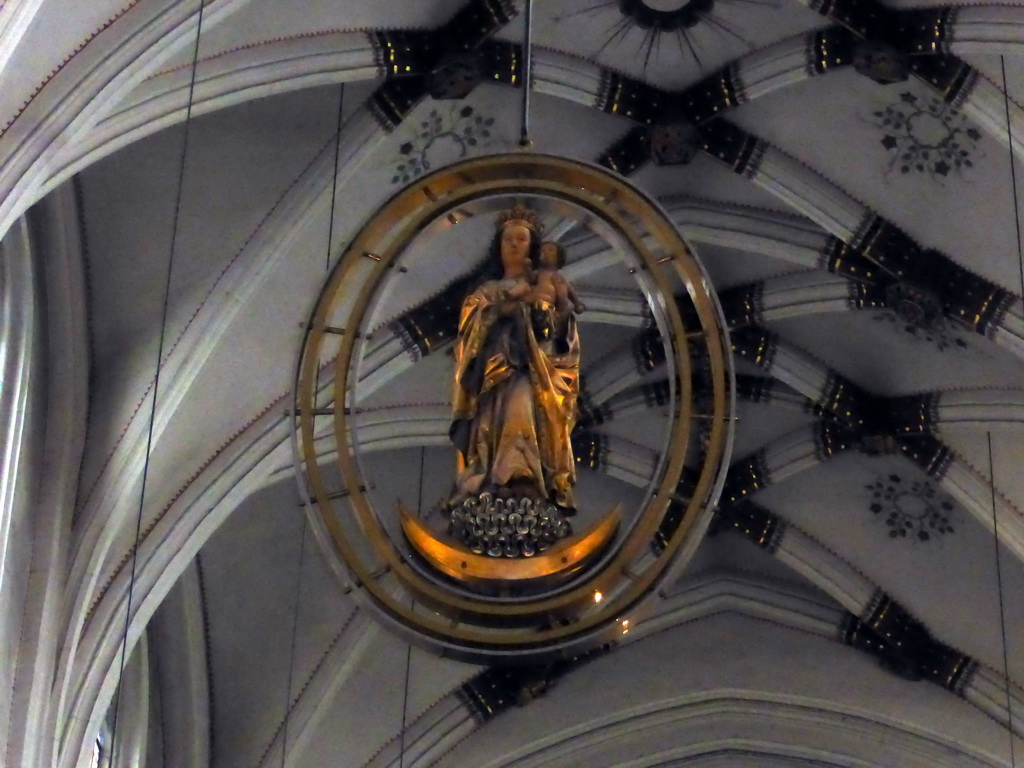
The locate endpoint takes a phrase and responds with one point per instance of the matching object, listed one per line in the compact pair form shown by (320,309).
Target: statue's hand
(519,291)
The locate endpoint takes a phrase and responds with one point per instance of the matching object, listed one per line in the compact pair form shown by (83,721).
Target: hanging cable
(1002,606)
(405,707)
(419,497)
(991,468)
(1020,261)
(291,651)
(408,647)
(334,180)
(1013,179)
(156,379)
(302,543)
(524,135)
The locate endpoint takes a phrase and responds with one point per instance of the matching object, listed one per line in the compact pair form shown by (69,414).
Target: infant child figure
(550,285)
(553,296)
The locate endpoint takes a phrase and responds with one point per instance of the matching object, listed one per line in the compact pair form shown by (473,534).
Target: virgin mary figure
(516,384)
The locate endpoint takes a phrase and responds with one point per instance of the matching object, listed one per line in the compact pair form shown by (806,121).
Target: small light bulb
(598,597)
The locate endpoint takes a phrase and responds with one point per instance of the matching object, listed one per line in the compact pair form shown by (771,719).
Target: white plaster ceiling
(735,673)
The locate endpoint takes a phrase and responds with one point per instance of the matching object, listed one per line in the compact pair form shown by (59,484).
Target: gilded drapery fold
(514,398)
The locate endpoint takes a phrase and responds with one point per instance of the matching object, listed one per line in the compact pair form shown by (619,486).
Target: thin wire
(1013,178)
(156,379)
(334,179)
(291,652)
(405,707)
(1020,261)
(524,136)
(419,498)
(302,545)
(1002,609)
(408,648)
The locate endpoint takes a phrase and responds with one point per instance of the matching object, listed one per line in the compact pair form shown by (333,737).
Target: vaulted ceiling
(178,179)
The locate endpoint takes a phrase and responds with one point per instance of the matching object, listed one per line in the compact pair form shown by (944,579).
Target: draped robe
(514,399)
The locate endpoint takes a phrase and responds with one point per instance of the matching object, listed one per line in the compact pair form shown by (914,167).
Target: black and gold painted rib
(409,59)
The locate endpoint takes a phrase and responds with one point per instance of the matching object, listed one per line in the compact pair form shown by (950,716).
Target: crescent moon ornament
(565,557)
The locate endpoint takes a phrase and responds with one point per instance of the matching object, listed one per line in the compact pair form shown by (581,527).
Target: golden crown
(520,214)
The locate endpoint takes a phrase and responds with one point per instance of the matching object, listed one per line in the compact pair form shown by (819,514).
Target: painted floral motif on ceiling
(441,138)
(923,134)
(911,509)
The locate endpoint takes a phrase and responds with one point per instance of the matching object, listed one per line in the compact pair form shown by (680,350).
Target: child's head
(552,255)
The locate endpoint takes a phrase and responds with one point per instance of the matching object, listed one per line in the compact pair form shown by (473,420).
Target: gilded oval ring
(480,627)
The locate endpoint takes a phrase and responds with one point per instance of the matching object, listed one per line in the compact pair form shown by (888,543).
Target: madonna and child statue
(514,394)
(515,388)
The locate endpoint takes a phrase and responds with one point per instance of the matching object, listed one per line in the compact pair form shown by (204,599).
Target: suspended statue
(514,396)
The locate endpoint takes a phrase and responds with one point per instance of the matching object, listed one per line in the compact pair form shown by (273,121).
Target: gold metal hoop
(483,627)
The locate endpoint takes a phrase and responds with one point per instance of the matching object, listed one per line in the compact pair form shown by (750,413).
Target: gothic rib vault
(845,609)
